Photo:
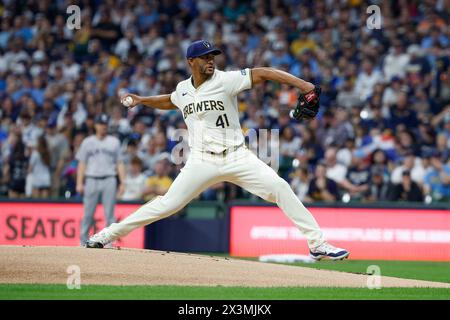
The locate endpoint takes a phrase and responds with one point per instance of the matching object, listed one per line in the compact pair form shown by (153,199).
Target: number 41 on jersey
(220,121)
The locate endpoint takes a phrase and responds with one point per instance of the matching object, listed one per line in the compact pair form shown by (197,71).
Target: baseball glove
(307,106)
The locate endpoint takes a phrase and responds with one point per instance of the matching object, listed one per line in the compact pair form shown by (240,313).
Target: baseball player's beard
(208,70)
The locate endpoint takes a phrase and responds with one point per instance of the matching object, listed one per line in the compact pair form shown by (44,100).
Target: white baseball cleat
(100,240)
(326,250)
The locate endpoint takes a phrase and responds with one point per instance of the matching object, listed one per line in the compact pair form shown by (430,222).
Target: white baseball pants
(241,167)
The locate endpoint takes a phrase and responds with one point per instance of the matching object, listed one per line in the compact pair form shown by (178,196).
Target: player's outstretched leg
(258,178)
(193,179)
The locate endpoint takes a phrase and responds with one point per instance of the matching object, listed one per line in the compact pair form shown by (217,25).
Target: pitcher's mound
(148,267)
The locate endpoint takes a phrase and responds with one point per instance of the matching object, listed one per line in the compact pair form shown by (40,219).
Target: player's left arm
(261,74)
(308,100)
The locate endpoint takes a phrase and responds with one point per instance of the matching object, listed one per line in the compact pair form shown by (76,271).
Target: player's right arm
(81,156)
(162,102)
(80,176)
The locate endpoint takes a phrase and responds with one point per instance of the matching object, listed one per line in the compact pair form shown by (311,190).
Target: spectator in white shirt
(395,62)
(39,169)
(134,181)
(347,97)
(411,164)
(366,80)
(71,69)
(30,132)
(335,170)
(129,40)
(289,143)
(390,94)
(300,182)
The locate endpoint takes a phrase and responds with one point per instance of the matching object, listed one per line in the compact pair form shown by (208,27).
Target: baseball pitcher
(208,102)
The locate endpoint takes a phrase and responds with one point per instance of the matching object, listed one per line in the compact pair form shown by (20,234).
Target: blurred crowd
(383,132)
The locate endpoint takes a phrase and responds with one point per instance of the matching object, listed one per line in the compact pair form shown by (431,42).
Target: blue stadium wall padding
(188,235)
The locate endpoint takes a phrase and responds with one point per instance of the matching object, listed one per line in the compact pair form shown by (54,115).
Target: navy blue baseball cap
(102,118)
(201,47)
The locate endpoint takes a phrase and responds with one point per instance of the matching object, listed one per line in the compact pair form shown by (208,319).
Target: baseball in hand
(128,101)
(291,114)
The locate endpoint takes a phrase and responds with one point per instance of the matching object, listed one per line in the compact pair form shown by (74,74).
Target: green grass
(38,292)
(421,270)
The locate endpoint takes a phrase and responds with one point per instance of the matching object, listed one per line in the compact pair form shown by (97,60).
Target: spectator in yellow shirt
(302,43)
(159,183)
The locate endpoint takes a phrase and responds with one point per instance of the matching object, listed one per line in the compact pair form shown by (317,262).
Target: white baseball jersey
(211,110)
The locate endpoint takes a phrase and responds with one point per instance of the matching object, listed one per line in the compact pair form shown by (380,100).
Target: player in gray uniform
(98,168)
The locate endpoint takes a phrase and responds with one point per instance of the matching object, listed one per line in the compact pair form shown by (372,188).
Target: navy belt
(224,152)
(100,178)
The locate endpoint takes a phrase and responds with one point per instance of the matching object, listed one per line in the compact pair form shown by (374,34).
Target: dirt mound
(148,267)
